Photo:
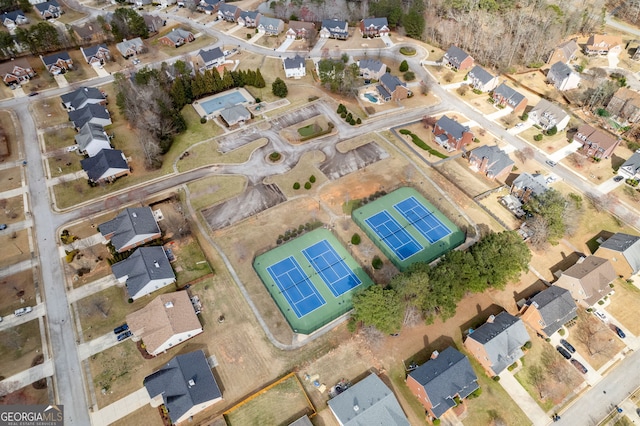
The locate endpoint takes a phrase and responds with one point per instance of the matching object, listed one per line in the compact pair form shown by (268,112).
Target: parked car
(601,316)
(36,93)
(120,329)
(519,124)
(72,148)
(618,178)
(551,163)
(577,364)
(124,335)
(22,311)
(568,346)
(3,226)
(563,352)
(619,332)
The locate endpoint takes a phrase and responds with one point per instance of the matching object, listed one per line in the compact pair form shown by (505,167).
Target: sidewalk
(97,345)
(528,405)
(26,377)
(91,288)
(121,408)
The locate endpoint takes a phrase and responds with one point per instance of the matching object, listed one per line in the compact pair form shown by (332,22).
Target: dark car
(568,346)
(34,93)
(619,332)
(618,178)
(3,226)
(577,364)
(120,329)
(563,352)
(124,335)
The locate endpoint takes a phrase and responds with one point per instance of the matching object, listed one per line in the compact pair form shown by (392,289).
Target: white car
(22,311)
(72,148)
(602,317)
(519,124)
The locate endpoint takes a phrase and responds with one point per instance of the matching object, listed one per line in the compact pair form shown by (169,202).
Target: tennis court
(424,220)
(407,228)
(393,235)
(311,279)
(295,286)
(331,267)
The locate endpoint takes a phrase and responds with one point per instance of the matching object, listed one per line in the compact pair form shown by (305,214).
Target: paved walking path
(526,403)
(15,268)
(119,409)
(26,377)
(92,347)
(91,288)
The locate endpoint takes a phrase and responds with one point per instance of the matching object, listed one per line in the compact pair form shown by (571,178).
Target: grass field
(55,139)
(19,346)
(604,343)
(12,210)
(300,173)
(206,192)
(206,153)
(190,263)
(625,305)
(16,291)
(10,178)
(16,247)
(278,405)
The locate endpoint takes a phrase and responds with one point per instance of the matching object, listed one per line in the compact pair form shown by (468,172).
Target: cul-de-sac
(323,212)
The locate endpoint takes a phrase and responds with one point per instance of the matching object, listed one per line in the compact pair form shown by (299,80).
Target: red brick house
(491,161)
(374,27)
(16,72)
(451,135)
(457,59)
(595,142)
(177,37)
(507,97)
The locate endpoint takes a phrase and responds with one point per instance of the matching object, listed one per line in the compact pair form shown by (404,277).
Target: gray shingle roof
(227,9)
(272,24)
(536,183)
(445,377)
(452,127)
(43,7)
(632,165)
(498,160)
(391,81)
(92,50)
(128,223)
(628,245)
(83,115)
(375,22)
(546,111)
(177,34)
(99,164)
(79,96)
(556,306)
(371,65)
(143,266)
(235,113)
(251,14)
(369,402)
(294,63)
(568,49)
(90,132)
(335,27)
(173,382)
(560,70)
(211,54)
(502,340)
(481,74)
(13,15)
(52,59)
(456,56)
(513,98)
(135,44)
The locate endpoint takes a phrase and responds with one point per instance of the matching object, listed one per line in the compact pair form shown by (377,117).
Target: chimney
(168,305)
(434,354)
(156,264)
(134,214)
(580,260)
(491,318)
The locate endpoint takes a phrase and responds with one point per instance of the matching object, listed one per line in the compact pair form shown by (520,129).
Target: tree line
(424,292)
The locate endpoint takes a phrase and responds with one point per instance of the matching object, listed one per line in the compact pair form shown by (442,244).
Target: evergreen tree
(260,83)
(279,88)
(227,80)
(217,81)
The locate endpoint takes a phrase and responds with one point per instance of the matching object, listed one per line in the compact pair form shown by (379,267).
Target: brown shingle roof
(594,274)
(603,41)
(600,137)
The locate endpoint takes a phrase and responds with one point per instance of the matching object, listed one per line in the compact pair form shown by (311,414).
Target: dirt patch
(16,291)
(90,264)
(28,395)
(18,346)
(359,158)
(458,172)
(15,247)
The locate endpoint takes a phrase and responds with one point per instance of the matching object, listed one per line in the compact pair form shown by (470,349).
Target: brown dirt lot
(16,291)
(19,346)
(94,259)
(12,210)
(55,139)
(27,395)
(472,183)
(625,305)
(16,247)
(10,179)
(49,112)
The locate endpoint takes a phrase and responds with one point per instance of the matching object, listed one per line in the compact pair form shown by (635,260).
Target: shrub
(296,185)
(476,393)
(562,332)
(358,121)
(258,100)
(352,325)
(409,76)
(274,156)
(513,366)
(376,262)
(538,137)
(552,131)
(405,132)
(249,36)
(404,66)
(313,98)
(343,115)
(600,302)
(524,116)
(307,185)
(130,300)
(312,179)
(611,285)
(496,378)
(355,239)
(407,51)
(71,255)
(436,422)
(528,345)
(203,120)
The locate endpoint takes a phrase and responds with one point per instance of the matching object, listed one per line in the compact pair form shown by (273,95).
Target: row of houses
(46,10)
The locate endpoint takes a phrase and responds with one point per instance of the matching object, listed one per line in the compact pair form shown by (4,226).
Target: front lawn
(625,305)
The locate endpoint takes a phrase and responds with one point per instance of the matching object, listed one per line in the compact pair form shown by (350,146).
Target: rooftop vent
(434,354)
(491,319)
(168,305)
(134,214)
(356,408)
(156,264)
(192,382)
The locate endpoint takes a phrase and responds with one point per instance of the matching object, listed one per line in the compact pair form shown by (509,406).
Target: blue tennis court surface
(424,220)
(295,286)
(332,269)
(394,236)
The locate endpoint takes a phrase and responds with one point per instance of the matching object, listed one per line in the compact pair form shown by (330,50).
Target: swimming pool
(371,98)
(222,101)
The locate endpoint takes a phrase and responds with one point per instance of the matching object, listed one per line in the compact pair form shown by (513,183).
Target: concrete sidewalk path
(91,288)
(528,405)
(97,345)
(121,408)
(26,377)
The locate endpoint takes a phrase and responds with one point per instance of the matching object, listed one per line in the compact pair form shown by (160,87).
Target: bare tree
(448,77)
(602,202)
(594,335)
(539,231)
(525,154)
(463,90)
(578,160)
(372,336)
(412,316)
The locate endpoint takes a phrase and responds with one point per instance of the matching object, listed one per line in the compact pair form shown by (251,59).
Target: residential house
(88,33)
(564,52)
(140,3)
(209,7)
(154,23)
(481,79)
(96,55)
(294,67)
(249,18)
(451,135)
(185,385)
(167,3)
(333,28)
(391,88)
(228,12)
(438,382)
(603,44)
(547,115)
(549,310)
(368,402)
(302,421)
(167,321)
(371,69)
(563,77)
(144,272)
(57,63)
(457,59)
(81,97)
(623,251)
(92,139)
(595,142)
(92,113)
(497,343)
(236,114)
(208,59)
(129,48)
(131,228)
(301,30)
(12,19)
(16,72)
(630,169)
(49,9)
(374,27)
(625,105)
(528,185)
(506,96)
(270,26)
(588,280)
(106,166)
(491,161)
(177,37)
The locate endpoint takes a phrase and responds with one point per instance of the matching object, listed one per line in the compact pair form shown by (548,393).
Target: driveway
(592,377)
(92,347)
(499,114)
(285,45)
(609,185)
(565,152)
(119,409)
(526,403)
(61,81)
